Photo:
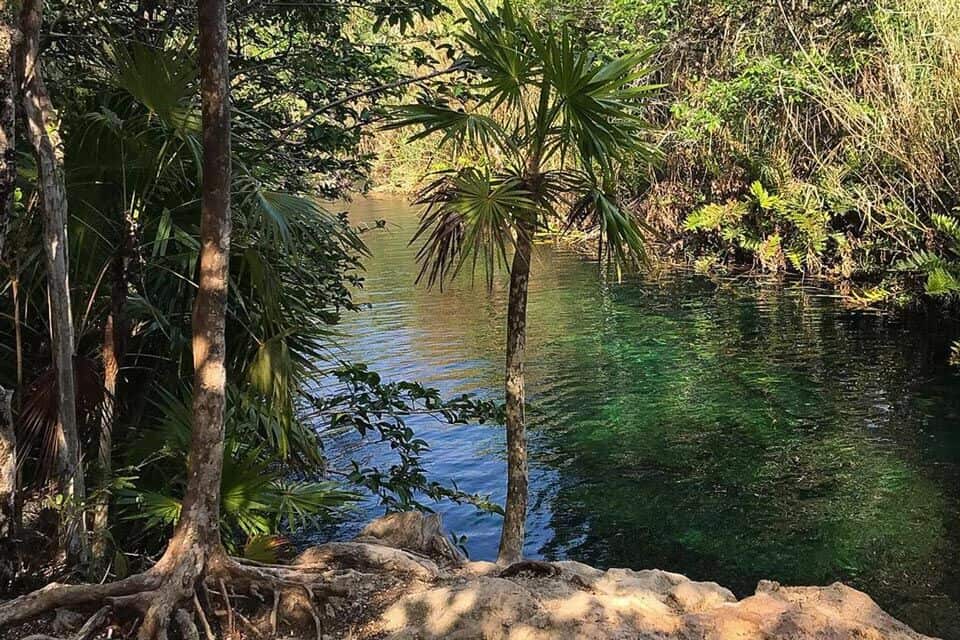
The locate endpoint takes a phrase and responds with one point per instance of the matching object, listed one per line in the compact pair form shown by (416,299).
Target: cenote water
(728,431)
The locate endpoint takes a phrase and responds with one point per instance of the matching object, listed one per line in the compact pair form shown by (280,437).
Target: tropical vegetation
(125,82)
(552,124)
(175,265)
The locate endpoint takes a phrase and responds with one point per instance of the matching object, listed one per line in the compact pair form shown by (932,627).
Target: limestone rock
(581,602)
(368,557)
(837,612)
(480,608)
(414,531)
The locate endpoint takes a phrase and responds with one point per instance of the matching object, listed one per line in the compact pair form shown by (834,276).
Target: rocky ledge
(436,593)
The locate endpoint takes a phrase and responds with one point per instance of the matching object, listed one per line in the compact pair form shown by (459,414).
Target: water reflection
(729,432)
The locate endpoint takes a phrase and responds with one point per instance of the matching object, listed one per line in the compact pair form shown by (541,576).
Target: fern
(764,199)
(715,217)
(941,282)
(943,273)
(921,260)
(949,226)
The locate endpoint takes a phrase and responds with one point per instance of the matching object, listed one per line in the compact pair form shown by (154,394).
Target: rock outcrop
(415,532)
(571,600)
(584,603)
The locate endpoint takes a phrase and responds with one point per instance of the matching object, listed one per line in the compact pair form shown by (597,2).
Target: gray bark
(515,510)
(45,139)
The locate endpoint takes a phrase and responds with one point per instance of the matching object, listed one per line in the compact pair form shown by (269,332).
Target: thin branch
(362,94)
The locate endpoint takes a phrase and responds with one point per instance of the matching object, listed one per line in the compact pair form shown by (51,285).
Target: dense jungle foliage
(123,77)
(810,137)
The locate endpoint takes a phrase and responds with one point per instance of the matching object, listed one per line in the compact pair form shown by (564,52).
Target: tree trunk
(115,334)
(8,176)
(515,511)
(9,36)
(8,470)
(202,502)
(42,131)
(195,547)
(101,510)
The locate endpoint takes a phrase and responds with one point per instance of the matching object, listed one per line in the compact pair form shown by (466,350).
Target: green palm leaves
(469,214)
(552,124)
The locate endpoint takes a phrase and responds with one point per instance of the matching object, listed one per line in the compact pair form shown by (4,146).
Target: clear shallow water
(729,432)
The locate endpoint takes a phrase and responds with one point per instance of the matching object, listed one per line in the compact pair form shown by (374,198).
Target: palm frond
(458,128)
(161,80)
(279,216)
(39,428)
(620,236)
(470,214)
(598,104)
(500,50)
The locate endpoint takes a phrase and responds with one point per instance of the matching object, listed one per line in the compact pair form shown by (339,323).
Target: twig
(208,632)
(275,614)
(314,612)
(226,600)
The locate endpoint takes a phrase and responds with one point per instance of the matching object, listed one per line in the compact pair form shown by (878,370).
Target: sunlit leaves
(941,268)
(550,122)
(456,127)
(598,105)
(470,215)
(715,217)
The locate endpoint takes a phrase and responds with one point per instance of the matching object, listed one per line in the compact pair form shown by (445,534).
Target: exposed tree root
(165,595)
(198,609)
(188,629)
(87,631)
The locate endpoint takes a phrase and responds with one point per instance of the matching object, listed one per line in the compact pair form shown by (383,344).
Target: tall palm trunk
(42,131)
(515,511)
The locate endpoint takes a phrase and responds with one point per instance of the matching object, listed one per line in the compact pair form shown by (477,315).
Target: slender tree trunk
(42,131)
(202,502)
(115,333)
(8,493)
(515,511)
(101,510)
(195,547)
(9,37)
(8,176)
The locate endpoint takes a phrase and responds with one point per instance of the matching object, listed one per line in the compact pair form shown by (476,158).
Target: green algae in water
(730,432)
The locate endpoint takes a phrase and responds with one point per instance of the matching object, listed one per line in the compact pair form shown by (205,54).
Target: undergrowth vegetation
(816,137)
(125,81)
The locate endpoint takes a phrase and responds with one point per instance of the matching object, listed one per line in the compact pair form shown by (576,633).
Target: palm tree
(552,125)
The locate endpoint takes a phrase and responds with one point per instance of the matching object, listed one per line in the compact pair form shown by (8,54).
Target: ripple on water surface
(730,432)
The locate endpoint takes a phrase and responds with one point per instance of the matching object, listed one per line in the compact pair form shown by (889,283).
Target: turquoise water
(729,431)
